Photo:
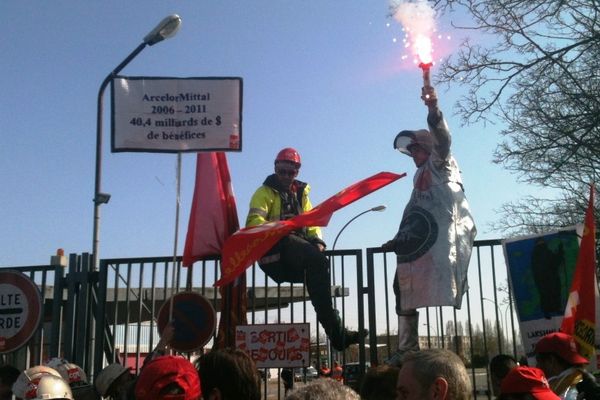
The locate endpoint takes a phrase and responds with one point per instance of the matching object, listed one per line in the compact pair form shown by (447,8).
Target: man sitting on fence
(299,256)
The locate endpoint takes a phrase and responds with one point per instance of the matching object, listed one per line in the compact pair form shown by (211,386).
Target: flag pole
(176,238)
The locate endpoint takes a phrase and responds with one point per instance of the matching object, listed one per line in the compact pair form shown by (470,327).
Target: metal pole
(344,227)
(98,199)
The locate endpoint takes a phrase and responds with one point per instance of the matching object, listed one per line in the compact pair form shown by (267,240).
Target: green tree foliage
(537,70)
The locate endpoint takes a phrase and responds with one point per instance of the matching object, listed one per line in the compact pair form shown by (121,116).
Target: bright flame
(418,20)
(422,46)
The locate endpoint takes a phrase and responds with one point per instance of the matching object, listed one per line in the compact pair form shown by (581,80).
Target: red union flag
(580,312)
(249,244)
(213,219)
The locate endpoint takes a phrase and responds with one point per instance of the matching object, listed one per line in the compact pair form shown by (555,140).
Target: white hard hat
(406,139)
(55,362)
(32,374)
(72,373)
(107,376)
(49,387)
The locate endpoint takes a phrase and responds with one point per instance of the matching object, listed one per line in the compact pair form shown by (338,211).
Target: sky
(334,82)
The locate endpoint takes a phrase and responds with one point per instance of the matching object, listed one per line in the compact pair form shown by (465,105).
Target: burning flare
(418,20)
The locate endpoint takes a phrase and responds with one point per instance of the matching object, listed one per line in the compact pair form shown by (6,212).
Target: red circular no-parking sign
(20,310)
(194,320)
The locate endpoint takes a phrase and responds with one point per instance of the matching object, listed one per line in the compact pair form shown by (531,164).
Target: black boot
(340,337)
(319,290)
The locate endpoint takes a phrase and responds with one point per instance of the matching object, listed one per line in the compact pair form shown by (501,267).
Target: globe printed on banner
(541,270)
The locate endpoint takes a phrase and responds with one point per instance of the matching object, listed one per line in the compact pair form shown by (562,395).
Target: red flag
(249,244)
(580,312)
(213,219)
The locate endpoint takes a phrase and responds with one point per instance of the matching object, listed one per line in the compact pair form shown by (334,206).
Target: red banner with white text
(249,244)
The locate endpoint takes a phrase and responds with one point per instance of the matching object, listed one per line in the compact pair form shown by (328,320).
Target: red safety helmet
(288,154)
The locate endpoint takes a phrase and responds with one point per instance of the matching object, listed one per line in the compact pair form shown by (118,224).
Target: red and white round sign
(194,320)
(20,310)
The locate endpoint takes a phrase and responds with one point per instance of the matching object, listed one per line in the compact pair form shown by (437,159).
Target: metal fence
(96,317)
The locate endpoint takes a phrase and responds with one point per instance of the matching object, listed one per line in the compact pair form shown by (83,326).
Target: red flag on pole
(249,244)
(213,219)
(580,312)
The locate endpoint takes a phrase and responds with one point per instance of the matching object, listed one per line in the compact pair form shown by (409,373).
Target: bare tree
(538,71)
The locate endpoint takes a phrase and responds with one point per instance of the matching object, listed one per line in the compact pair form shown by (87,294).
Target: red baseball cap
(163,371)
(561,344)
(527,380)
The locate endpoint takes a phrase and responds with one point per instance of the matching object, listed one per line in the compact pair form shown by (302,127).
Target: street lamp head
(165,29)
(102,198)
(379,208)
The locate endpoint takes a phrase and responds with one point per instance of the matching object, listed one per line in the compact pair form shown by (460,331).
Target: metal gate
(96,317)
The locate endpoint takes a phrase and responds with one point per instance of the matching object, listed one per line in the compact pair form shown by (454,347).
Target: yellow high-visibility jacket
(265,206)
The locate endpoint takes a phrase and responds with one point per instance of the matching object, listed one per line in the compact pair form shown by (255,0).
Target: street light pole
(378,208)
(507,306)
(167,28)
(499,322)
(332,257)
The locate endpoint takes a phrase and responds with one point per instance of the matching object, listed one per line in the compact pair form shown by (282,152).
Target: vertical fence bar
(372,307)
(57,306)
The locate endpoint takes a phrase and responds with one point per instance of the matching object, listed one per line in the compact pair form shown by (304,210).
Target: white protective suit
(436,234)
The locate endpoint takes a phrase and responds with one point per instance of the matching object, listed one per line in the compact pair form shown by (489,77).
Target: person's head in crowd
(168,377)
(48,387)
(523,361)
(85,393)
(433,374)
(31,375)
(526,383)
(8,376)
(115,382)
(323,389)
(500,365)
(74,375)
(379,383)
(228,374)
(557,352)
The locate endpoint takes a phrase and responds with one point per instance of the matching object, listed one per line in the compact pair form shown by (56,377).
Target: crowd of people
(221,374)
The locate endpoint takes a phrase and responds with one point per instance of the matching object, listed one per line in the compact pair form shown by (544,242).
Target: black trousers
(297,258)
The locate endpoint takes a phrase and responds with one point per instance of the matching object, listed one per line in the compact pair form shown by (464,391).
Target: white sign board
(173,115)
(275,345)
(20,310)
